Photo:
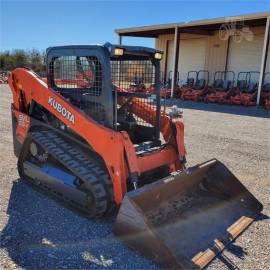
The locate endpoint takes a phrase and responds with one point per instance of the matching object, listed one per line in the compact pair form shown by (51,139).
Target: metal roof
(255,19)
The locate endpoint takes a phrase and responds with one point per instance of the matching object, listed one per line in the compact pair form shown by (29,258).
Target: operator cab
(117,86)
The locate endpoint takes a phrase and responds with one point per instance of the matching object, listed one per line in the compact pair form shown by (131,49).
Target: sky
(38,24)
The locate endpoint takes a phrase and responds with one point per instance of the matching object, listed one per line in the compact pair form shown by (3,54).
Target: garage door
(191,56)
(245,55)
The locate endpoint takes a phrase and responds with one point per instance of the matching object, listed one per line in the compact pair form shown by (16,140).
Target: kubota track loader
(84,137)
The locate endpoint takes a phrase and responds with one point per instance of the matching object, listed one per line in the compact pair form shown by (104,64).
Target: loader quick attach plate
(185,220)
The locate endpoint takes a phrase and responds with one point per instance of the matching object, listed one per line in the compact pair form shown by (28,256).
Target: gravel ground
(39,233)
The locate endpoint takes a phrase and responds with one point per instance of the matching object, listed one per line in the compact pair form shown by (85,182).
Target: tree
(33,59)
(36,61)
(20,58)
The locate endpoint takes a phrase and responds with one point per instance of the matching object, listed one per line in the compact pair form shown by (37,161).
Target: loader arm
(148,114)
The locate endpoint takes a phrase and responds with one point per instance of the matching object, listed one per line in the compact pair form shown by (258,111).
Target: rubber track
(95,179)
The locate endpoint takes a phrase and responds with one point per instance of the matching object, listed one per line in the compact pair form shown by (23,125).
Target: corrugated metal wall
(161,42)
(187,57)
(216,51)
(244,54)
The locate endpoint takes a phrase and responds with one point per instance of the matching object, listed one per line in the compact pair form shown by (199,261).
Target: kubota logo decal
(65,113)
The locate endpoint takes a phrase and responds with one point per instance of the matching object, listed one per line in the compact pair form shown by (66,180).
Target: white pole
(175,55)
(264,58)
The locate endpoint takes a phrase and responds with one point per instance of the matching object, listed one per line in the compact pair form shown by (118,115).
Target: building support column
(175,59)
(264,59)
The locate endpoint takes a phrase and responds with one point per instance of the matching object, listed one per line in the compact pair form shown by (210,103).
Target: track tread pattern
(95,179)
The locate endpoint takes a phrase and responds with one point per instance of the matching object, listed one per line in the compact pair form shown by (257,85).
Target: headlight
(158,56)
(118,51)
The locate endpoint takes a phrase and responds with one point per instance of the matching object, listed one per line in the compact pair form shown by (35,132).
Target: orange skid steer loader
(85,139)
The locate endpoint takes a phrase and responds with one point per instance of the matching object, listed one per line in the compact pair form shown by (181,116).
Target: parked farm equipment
(242,83)
(95,144)
(247,95)
(199,89)
(188,85)
(166,88)
(3,77)
(265,94)
(222,88)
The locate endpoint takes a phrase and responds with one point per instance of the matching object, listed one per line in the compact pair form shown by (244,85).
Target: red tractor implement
(166,88)
(3,77)
(222,88)
(189,84)
(242,83)
(265,94)
(248,96)
(200,88)
(266,104)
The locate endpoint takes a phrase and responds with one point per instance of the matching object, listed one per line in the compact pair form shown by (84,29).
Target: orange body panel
(109,144)
(163,157)
(23,125)
(267,104)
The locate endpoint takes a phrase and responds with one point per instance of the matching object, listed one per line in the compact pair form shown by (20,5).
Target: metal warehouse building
(239,43)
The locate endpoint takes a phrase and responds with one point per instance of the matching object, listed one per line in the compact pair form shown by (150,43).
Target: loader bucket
(185,220)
